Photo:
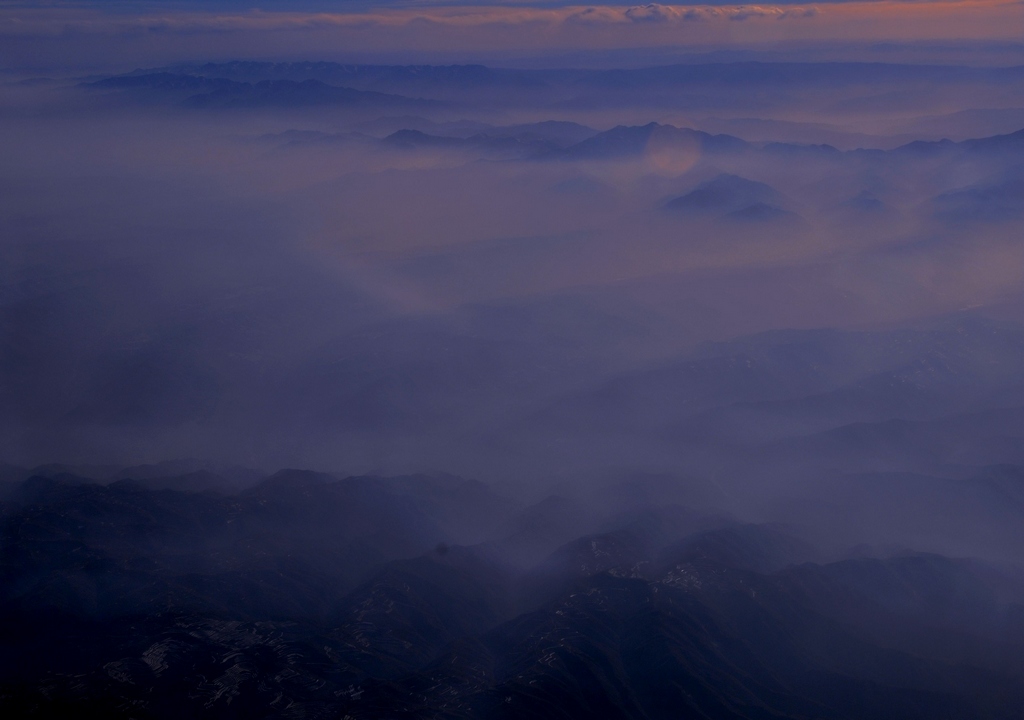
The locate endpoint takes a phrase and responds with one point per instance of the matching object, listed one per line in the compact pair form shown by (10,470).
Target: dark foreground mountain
(308,596)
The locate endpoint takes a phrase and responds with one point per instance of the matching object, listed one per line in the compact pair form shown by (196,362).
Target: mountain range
(308,595)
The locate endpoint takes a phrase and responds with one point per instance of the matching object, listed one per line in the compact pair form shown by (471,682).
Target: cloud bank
(37,36)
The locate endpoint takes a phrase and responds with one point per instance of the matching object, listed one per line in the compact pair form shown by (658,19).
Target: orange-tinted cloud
(513,28)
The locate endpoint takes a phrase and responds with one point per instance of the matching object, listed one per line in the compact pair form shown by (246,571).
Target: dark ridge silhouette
(202,92)
(727,194)
(625,141)
(177,603)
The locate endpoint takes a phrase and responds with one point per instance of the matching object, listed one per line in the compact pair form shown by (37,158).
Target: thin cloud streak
(28,35)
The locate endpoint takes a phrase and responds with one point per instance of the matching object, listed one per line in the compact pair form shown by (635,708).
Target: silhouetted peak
(285,479)
(728,193)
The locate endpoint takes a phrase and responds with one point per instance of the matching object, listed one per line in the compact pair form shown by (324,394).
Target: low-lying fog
(532,278)
(423,392)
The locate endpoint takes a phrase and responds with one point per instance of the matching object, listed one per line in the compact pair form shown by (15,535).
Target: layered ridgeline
(307,595)
(732,352)
(392,268)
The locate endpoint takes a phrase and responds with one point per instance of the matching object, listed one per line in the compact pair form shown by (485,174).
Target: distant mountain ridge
(746,72)
(625,141)
(208,93)
(251,85)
